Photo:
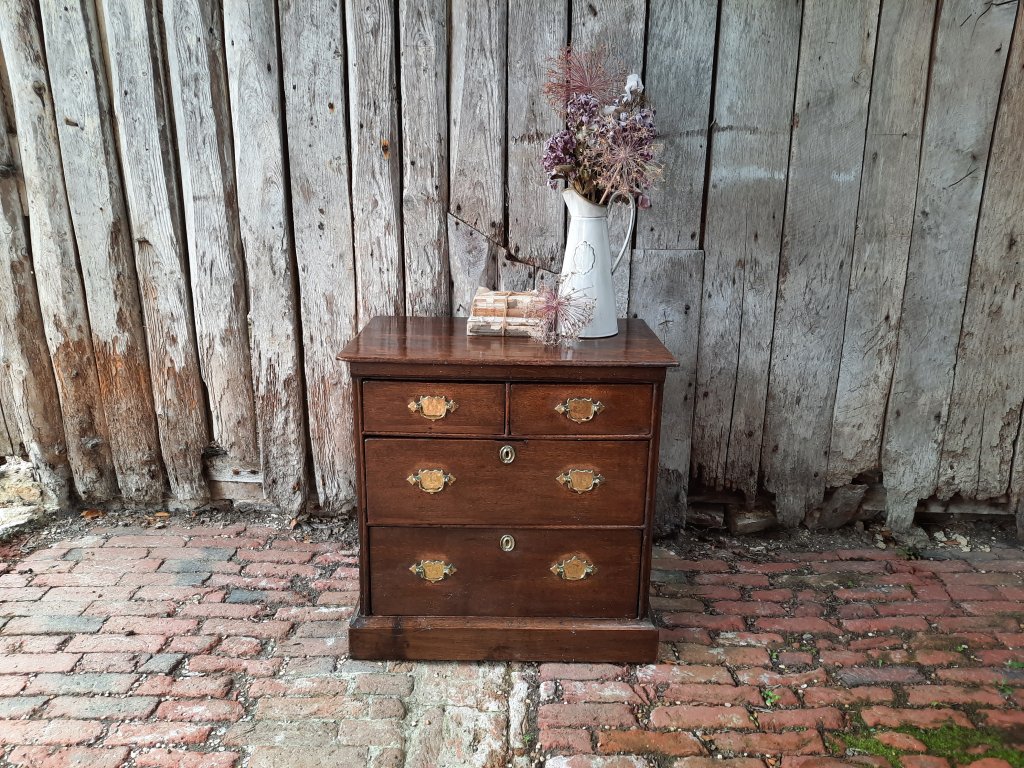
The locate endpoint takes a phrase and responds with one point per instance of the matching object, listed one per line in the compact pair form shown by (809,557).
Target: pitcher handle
(629,232)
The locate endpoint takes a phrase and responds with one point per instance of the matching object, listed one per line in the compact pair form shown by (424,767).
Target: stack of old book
(504,313)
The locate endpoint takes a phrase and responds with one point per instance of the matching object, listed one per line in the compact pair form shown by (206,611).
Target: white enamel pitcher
(587,267)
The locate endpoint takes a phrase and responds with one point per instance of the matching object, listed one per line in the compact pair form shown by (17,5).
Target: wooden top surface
(443,341)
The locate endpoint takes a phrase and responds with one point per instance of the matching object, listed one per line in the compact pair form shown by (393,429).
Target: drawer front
(434,407)
(416,481)
(580,409)
(466,571)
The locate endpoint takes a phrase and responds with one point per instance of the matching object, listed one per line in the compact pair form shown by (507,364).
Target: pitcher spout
(581,208)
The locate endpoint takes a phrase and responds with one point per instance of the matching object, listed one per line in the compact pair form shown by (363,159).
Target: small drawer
(415,481)
(504,572)
(433,407)
(581,409)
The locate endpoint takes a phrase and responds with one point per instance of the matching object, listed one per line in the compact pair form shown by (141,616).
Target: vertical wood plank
(96,202)
(666,292)
(313,51)
(680,56)
(884,222)
(376,157)
(746,197)
(423,32)
(151,192)
(24,358)
(254,83)
(198,89)
(833,84)
(10,442)
(619,25)
(988,384)
(536,215)
(61,295)
(477,124)
(970,55)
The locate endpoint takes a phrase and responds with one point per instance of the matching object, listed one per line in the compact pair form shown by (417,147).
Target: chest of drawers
(506,493)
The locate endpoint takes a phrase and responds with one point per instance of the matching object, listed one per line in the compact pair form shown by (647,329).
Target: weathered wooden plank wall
(203,201)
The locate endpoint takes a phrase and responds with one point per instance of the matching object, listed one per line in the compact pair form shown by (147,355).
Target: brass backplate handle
(581,480)
(580,409)
(431,480)
(573,569)
(432,407)
(433,570)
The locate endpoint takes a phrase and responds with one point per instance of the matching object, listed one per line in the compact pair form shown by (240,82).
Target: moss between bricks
(956,743)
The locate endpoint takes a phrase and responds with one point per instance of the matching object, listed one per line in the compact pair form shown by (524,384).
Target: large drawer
(417,481)
(580,409)
(433,407)
(467,571)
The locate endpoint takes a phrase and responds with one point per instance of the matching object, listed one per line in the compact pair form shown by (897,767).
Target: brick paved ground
(226,646)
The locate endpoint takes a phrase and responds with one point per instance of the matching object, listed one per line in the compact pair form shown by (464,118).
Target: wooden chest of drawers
(506,493)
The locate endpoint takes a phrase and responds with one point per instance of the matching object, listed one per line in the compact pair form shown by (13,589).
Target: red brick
(714,592)
(34,644)
(560,740)
(923,761)
(574,691)
(116,643)
(697,717)
(73,757)
(749,608)
(178,594)
(136,625)
(248,582)
(282,570)
(973,675)
(675,744)
(922,608)
(737,579)
(887,624)
(874,675)
(145,542)
(179,758)
(828,718)
(313,646)
(100,707)
(923,718)
(319,707)
(718,762)
(31,663)
(338,598)
(240,646)
(584,715)
(200,711)
(1007,719)
(706,621)
(733,657)
(772,595)
(760,639)
(220,610)
(111,662)
(683,673)
(185,688)
(140,607)
(795,659)
(937,658)
(273,556)
(16,594)
(875,593)
(818,697)
(267,629)
(251,667)
(151,734)
(675,564)
(11,685)
(192,644)
(797,626)
(712,694)
(58,732)
(580,671)
(790,743)
(768,678)
(904,742)
(926,695)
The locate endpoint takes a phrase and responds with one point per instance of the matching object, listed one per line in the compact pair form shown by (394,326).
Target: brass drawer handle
(433,570)
(580,409)
(581,480)
(432,407)
(573,569)
(431,480)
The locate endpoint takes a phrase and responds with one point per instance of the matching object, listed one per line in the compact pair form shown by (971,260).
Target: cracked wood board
(833,86)
(970,55)
(757,61)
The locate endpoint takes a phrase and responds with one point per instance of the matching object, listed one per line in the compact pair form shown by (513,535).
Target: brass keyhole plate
(508,543)
(507,454)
